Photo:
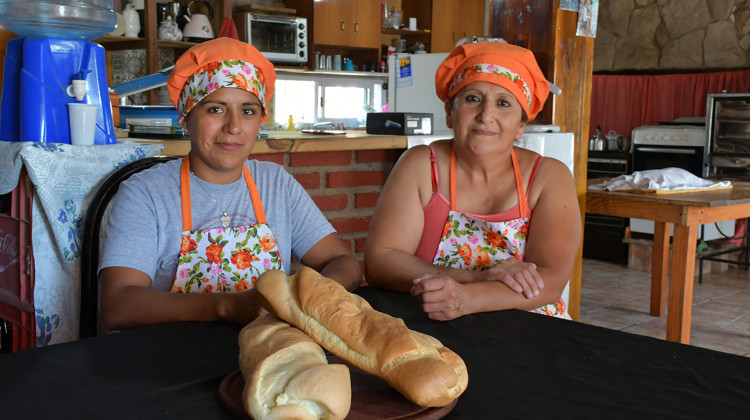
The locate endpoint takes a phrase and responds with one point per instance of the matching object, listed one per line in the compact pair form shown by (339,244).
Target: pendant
(225,220)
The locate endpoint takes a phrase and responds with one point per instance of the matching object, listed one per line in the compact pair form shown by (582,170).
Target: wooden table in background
(686,211)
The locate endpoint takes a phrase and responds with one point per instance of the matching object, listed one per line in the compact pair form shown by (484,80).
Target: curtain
(621,103)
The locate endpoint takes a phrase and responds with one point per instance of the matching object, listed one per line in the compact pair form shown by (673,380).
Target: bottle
(291,124)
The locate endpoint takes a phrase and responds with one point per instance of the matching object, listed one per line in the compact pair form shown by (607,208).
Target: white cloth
(65,178)
(667,179)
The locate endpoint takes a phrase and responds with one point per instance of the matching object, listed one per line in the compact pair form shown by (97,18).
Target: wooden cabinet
(440,23)
(150,41)
(347,23)
(453,20)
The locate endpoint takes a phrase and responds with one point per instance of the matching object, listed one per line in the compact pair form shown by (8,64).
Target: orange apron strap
(453,179)
(523,206)
(187,217)
(260,214)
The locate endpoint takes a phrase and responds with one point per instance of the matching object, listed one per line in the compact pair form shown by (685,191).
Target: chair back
(17,314)
(89,305)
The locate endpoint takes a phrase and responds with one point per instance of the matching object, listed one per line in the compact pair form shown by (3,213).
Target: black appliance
(603,235)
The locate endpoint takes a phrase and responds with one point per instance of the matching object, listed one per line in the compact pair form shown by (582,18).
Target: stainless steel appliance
(728,131)
(281,39)
(678,146)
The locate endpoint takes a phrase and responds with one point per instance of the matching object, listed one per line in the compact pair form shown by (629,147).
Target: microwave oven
(281,39)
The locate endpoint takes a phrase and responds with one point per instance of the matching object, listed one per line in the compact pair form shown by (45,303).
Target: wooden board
(372,398)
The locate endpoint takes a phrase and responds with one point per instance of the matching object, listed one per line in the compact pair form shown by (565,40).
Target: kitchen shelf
(405,32)
(126,43)
(265,9)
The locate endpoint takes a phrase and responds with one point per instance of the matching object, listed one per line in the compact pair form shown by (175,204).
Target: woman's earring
(257,136)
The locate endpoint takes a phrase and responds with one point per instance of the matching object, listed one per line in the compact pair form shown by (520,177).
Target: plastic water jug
(69,19)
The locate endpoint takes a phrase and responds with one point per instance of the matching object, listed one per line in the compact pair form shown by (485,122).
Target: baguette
(417,365)
(287,375)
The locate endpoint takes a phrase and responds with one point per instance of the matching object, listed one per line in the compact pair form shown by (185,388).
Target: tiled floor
(614,296)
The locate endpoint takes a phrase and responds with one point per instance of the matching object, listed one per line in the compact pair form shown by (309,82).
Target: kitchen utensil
(175,10)
(198,27)
(611,140)
(119,27)
(348,65)
(82,119)
(400,45)
(169,30)
(623,143)
(132,21)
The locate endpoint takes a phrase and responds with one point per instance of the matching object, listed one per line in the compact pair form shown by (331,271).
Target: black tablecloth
(521,365)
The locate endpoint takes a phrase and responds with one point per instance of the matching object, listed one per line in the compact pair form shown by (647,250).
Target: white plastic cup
(77,89)
(82,119)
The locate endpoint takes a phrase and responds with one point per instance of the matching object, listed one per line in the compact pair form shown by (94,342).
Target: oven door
(646,157)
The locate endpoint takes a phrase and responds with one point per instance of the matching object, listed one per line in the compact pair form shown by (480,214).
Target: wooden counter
(296,141)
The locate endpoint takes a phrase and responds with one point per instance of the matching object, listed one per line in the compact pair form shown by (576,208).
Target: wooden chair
(17,270)
(89,306)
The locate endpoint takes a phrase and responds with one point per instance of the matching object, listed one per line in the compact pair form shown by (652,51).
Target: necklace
(225,219)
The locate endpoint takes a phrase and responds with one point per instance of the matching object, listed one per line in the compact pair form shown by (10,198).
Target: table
(686,211)
(521,366)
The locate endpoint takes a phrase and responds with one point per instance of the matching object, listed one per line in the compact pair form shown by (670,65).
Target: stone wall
(672,35)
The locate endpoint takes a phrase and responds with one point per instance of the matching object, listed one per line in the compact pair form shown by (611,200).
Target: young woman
(186,239)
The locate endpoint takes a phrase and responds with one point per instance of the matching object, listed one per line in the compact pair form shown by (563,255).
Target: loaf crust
(415,364)
(287,375)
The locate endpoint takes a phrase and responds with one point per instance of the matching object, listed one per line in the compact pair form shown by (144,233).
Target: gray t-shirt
(144,227)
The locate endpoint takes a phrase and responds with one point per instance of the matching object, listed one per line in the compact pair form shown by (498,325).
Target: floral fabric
(225,259)
(219,74)
(65,178)
(473,244)
(493,69)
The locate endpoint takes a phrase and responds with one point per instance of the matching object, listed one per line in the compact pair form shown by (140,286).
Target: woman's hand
(520,276)
(442,297)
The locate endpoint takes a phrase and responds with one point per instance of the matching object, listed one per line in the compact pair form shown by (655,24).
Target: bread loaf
(415,364)
(287,375)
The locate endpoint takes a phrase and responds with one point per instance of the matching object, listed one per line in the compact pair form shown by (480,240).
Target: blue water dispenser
(53,50)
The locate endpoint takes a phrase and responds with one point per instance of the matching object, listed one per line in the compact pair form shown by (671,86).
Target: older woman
(474,224)
(184,232)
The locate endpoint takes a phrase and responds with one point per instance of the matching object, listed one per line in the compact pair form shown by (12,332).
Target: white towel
(667,179)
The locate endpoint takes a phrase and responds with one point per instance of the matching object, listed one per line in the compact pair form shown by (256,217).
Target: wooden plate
(372,398)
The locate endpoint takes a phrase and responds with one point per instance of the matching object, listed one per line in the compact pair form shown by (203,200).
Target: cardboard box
(400,123)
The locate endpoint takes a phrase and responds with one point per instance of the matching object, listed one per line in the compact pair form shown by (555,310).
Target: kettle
(198,27)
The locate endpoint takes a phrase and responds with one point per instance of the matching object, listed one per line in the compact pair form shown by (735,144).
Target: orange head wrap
(221,62)
(509,66)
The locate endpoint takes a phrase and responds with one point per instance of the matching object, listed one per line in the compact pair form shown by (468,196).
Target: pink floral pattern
(212,76)
(473,244)
(225,259)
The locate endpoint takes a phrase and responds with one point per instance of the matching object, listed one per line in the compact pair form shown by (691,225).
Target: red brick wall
(344,184)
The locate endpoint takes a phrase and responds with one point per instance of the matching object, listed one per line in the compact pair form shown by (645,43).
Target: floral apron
(223,259)
(471,243)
